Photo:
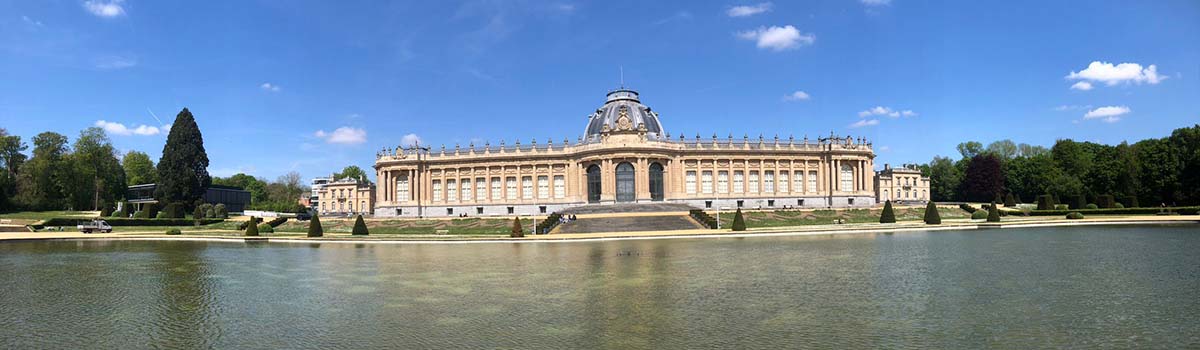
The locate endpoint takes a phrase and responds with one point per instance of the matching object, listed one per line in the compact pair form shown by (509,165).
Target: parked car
(304,215)
(94,226)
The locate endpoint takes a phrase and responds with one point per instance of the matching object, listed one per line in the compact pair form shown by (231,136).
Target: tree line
(1150,172)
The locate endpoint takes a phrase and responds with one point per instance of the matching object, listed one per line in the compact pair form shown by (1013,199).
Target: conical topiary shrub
(993,213)
(1045,202)
(252,227)
(360,227)
(931,214)
(516,228)
(1009,201)
(739,223)
(888,216)
(314,227)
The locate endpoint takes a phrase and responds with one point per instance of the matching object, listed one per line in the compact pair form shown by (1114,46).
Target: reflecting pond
(1082,287)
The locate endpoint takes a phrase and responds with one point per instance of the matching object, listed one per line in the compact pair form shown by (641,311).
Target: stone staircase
(629,217)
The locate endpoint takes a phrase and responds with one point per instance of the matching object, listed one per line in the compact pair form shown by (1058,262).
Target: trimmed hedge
(516,231)
(265,228)
(252,228)
(1089,206)
(1075,215)
(360,227)
(967,207)
(1105,201)
(1045,202)
(1078,202)
(993,213)
(979,215)
(174,232)
(739,222)
(130,222)
(546,225)
(1118,211)
(1009,201)
(703,218)
(889,215)
(931,213)
(314,226)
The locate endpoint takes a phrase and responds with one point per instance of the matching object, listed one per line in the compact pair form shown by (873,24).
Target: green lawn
(826,217)
(42,215)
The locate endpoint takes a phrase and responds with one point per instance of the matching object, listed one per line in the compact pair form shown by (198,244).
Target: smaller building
(235,199)
(346,196)
(904,184)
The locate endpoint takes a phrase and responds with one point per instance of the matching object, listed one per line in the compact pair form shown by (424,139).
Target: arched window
(656,181)
(593,183)
(625,182)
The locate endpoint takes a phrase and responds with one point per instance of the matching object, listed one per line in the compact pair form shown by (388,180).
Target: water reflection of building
(625,155)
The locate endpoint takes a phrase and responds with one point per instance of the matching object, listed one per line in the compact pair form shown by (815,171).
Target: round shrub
(1091,206)
(979,215)
(1118,205)
(1074,215)
(174,232)
(265,228)
(221,211)
(161,215)
(141,214)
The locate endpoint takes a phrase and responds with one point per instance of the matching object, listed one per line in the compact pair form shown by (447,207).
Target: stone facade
(346,196)
(624,156)
(904,184)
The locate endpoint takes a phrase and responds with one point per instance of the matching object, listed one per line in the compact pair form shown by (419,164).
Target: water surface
(1085,287)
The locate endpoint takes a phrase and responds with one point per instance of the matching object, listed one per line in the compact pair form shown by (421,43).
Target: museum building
(624,156)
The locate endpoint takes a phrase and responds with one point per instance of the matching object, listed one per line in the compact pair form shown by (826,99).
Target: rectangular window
(738,183)
(510,210)
(812,181)
(847,178)
(560,187)
(466,190)
(769,181)
(451,191)
(479,210)
(402,188)
(480,189)
(798,181)
(510,187)
(437,190)
(706,181)
(527,187)
(497,192)
(691,182)
(783,181)
(722,181)
(753,182)
(543,186)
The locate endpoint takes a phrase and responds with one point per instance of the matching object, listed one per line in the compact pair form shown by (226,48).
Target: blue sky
(280,86)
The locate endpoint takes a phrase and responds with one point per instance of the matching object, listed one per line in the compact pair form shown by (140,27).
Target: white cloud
(31,21)
(778,38)
(1109,114)
(1083,86)
(344,135)
(107,9)
(748,10)
(269,87)
(886,111)
(112,62)
(120,129)
(875,2)
(409,140)
(1115,74)
(797,96)
(865,122)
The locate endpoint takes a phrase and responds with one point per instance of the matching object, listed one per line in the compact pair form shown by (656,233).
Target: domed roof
(620,111)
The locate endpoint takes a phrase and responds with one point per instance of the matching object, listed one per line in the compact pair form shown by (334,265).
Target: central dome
(622,102)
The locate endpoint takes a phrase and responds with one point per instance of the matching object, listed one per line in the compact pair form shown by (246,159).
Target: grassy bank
(825,217)
(468,226)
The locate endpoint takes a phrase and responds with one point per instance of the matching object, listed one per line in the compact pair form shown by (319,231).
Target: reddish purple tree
(984,178)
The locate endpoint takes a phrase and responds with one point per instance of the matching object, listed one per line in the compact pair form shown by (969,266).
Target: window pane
(691,182)
(510,187)
(753,182)
(722,182)
(769,181)
(783,181)
(451,191)
(738,183)
(543,186)
(560,187)
(706,181)
(527,187)
(437,190)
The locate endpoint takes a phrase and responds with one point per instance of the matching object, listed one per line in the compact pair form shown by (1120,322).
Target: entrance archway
(656,182)
(625,183)
(593,184)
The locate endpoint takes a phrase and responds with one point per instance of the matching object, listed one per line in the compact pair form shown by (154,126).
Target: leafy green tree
(360,227)
(11,160)
(352,172)
(889,215)
(314,226)
(739,222)
(139,169)
(98,175)
(931,214)
(183,168)
(1186,142)
(970,149)
(944,179)
(1004,149)
(1159,172)
(43,181)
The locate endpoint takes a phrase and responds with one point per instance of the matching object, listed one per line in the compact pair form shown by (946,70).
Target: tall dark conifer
(183,169)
